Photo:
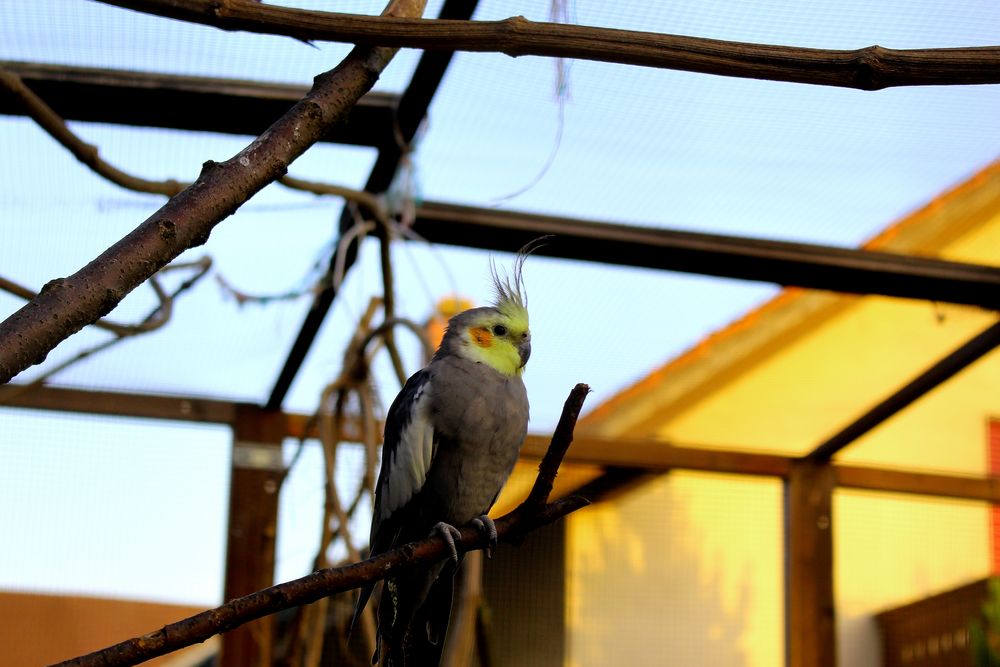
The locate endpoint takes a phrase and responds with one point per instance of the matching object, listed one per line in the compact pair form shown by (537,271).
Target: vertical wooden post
(810,639)
(253,519)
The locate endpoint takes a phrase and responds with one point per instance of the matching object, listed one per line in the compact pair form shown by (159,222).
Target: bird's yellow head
(496,335)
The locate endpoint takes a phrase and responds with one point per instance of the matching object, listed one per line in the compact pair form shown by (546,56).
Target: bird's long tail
(413,618)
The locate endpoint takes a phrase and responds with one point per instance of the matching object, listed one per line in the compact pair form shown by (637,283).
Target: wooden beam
(154,406)
(649,455)
(253,524)
(782,262)
(658,456)
(120,404)
(229,106)
(986,489)
(810,639)
(613,482)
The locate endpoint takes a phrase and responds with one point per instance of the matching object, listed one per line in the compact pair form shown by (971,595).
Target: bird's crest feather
(510,297)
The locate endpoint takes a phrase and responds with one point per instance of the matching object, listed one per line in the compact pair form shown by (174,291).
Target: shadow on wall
(648,585)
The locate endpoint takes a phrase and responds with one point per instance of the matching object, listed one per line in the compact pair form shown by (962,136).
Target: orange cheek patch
(482,336)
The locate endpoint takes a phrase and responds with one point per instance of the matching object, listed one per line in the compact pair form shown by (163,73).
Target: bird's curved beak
(524,349)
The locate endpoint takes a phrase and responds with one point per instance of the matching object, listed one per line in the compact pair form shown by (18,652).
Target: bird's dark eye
(499,330)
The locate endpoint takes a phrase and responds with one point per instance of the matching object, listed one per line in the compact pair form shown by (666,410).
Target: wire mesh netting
(893,550)
(685,570)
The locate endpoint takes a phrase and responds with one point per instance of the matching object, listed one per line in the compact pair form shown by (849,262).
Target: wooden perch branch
(870,68)
(533,513)
(562,437)
(66,305)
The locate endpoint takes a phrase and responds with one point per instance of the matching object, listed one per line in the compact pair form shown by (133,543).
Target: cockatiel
(452,436)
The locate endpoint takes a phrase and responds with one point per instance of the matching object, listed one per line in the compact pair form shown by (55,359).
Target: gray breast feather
(472,400)
(457,429)
(480,418)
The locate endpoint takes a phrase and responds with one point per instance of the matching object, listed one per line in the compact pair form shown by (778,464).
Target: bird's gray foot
(450,534)
(489,529)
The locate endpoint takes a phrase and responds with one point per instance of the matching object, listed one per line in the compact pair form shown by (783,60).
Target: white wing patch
(412,459)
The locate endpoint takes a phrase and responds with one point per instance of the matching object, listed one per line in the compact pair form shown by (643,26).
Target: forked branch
(533,513)
(186,221)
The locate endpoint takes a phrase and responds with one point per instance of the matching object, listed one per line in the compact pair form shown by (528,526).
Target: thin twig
(158,317)
(360,197)
(418,331)
(86,153)
(512,527)
(369,439)
(243,298)
(306,639)
(37,109)
(310,636)
(869,68)
(562,438)
(152,321)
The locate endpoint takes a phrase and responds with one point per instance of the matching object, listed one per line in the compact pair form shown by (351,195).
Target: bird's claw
(489,529)
(450,534)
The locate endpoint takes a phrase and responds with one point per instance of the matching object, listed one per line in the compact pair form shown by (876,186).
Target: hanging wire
(560,11)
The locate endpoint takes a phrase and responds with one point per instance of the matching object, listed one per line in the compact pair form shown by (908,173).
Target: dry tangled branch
(870,68)
(534,512)
(355,381)
(188,219)
(89,155)
(156,318)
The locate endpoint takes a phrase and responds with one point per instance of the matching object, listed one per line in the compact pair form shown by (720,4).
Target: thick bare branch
(870,68)
(534,513)
(66,305)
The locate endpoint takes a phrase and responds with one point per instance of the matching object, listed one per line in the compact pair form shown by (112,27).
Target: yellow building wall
(688,570)
(890,549)
(820,382)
